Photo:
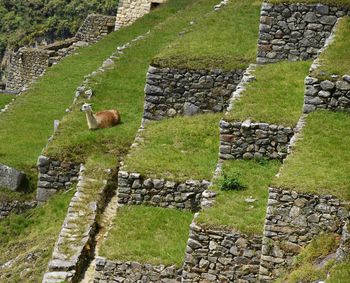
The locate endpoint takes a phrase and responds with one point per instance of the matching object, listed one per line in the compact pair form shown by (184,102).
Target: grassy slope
(329,2)
(180,149)
(148,235)
(28,239)
(230,210)
(121,88)
(276,96)
(340,273)
(304,267)
(335,60)
(320,162)
(224,40)
(24,130)
(5,99)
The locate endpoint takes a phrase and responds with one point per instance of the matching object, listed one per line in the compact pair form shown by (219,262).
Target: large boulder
(13,179)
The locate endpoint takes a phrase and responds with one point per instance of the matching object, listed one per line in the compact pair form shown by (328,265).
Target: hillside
(230,163)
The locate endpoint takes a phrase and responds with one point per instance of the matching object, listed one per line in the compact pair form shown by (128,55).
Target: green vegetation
(180,149)
(230,209)
(7,195)
(5,99)
(320,162)
(25,128)
(27,240)
(223,40)
(340,273)
(24,22)
(148,235)
(276,96)
(335,60)
(345,3)
(304,268)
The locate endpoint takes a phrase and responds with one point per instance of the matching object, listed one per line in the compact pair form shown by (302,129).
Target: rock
(13,179)
(343,85)
(327,85)
(190,109)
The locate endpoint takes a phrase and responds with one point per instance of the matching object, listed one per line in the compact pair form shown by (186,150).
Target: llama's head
(86,107)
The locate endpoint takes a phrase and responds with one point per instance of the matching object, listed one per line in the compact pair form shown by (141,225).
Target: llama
(100,120)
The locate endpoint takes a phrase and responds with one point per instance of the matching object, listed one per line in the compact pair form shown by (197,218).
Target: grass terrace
(320,162)
(225,39)
(306,266)
(5,99)
(335,60)
(148,235)
(25,128)
(230,210)
(275,97)
(178,149)
(27,240)
(345,3)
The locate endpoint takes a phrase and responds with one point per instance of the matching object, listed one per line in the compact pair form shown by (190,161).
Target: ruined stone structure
(130,10)
(294,31)
(8,207)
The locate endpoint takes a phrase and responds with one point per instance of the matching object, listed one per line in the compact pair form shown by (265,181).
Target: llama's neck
(91,120)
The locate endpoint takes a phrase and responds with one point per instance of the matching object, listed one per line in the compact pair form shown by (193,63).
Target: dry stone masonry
(293,219)
(117,271)
(170,92)
(95,27)
(55,175)
(135,189)
(17,207)
(295,31)
(218,255)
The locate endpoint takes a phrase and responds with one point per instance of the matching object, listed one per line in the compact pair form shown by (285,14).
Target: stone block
(12,179)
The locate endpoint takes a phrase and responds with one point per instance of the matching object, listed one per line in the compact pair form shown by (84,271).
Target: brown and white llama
(100,120)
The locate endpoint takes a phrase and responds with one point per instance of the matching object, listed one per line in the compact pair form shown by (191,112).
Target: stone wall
(27,64)
(294,31)
(253,140)
(135,189)
(327,94)
(54,176)
(130,10)
(95,27)
(117,271)
(17,207)
(214,255)
(292,220)
(170,92)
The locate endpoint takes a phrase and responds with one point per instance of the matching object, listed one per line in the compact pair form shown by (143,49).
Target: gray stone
(327,85)
(190,109)
(13,179)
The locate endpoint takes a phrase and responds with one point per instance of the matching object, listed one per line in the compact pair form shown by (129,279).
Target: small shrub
(231,182)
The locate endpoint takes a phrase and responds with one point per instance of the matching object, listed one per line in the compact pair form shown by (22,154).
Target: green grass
(148,235)
(345,3)
(340,273)
(335,60)
(320,162)
(5,99)
(178,149)
(24,130)
(276,96)
(28,239)
(304,268)
(230,210)
(224,40)
(7,195)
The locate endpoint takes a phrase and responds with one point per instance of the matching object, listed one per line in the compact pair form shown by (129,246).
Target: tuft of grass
(148,235)
(276,96)
(7,196)
(225,39)
(230,209)
(320,162)
(5,99)
(345,3)
(304,268)
(27,240)
(335,60)
(25,128)
(178,149)
(340,273)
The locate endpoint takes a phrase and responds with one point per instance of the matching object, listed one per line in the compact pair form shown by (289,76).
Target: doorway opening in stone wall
(154,5)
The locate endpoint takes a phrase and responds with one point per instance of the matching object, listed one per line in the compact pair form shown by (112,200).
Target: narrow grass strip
(178,149)
(148,235)
(275,97)
(335,60)
(224,40)
(28,239)
(320,162)
(230,210)
(4,100)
